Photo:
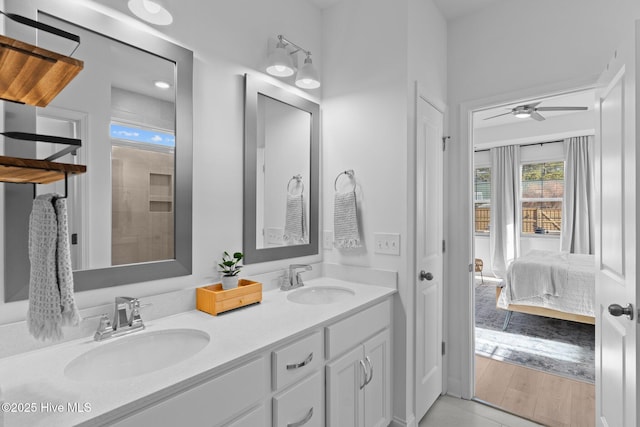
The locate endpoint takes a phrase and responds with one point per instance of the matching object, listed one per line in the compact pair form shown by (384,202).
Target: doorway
(528,361)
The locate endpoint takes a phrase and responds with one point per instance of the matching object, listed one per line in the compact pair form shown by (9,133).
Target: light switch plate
(274,236)
(387,243)
(327,243)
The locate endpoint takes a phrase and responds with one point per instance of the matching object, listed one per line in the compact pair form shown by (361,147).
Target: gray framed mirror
(130,215)
(281,173)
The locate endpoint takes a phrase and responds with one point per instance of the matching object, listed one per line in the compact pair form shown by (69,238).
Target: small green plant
(229,265)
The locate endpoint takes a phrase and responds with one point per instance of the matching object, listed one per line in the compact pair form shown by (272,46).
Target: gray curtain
(505,213)
(577,217)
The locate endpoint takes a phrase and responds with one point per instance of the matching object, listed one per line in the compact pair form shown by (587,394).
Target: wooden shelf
(32,75)
(30,171)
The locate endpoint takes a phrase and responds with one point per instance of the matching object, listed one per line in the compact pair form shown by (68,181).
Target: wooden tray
(213,299)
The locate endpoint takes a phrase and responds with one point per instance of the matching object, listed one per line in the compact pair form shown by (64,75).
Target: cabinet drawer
(296,360)
(347,333)
(211,403)
(254,418)
(302,405)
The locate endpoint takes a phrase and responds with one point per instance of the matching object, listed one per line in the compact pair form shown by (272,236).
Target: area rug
(556,346)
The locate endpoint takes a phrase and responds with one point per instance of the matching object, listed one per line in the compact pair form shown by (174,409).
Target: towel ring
(298,180)
(350,173)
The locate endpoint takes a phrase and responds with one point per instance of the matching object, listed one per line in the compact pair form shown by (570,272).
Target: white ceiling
(451,9)
(454,9)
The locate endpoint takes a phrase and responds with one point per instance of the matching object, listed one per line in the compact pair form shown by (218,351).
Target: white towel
(51,301)
(345,221)
(295,223)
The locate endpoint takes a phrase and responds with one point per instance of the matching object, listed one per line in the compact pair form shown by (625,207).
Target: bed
(552,284)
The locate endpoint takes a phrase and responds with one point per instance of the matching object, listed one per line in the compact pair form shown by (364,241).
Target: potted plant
(229,268)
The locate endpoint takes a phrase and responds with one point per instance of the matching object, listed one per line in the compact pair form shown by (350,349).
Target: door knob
(618,310)
(425,276)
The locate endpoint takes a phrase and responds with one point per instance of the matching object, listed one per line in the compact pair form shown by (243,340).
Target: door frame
(456,263)
(421,92)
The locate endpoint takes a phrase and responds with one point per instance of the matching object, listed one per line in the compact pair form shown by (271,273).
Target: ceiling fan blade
(537,116)
(562,108)
(503,114)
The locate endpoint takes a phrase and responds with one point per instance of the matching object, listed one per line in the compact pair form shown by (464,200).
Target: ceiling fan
(531,110)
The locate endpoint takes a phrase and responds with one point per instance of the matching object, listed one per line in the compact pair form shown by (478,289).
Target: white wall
(566,44)
(228,39)
(373,52)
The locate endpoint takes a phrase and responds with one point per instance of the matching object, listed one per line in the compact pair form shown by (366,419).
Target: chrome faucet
(125,320)
(294,278)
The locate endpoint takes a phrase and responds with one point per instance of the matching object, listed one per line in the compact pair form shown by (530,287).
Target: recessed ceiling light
(162,84)
(151,11)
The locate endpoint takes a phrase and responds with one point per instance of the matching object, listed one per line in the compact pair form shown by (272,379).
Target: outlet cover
(327,243)
(387,243)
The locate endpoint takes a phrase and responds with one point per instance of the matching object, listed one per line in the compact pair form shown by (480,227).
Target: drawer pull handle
(302,421)
(301,364)
(370,370)
(364,369)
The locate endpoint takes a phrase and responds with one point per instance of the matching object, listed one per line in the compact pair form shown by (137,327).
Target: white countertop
(37,378)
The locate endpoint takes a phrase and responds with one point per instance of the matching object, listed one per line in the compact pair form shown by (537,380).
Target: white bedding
(555,280)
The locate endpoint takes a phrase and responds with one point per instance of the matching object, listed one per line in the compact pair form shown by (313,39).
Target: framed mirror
(130,215)
(281,173)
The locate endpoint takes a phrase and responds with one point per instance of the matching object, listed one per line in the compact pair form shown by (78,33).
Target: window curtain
(505,213)
(577,218)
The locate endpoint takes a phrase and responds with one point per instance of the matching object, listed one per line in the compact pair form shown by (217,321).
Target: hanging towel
(345,221)
(70,315)
(295,223)
(51,301)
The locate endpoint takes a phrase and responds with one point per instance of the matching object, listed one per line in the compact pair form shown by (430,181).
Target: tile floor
(450,411)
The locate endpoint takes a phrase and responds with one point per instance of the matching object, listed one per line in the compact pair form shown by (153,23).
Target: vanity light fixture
(160,84)
(152,11)
(280,64)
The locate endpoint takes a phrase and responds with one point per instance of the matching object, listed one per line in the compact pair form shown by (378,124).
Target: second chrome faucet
(294,278)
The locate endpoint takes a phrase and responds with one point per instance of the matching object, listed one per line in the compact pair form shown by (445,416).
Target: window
(541,196)
(482,199)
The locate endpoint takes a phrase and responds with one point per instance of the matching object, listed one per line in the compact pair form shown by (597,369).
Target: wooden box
(213,299)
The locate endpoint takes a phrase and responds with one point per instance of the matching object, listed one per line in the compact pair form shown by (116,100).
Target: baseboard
(396,422)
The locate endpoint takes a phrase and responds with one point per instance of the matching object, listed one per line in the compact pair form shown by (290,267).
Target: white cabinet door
(359,385)
(377,391)
(345,400)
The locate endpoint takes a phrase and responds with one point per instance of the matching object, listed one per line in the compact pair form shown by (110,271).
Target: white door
(616,255)
(429,257)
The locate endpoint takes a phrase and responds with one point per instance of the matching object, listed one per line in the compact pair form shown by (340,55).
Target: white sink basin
(136,354)
(320,295)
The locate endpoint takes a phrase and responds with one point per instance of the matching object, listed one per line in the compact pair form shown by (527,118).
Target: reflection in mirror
(283,165)
(281,173)
(130,214)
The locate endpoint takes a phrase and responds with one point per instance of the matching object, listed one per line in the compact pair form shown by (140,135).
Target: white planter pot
(229,282)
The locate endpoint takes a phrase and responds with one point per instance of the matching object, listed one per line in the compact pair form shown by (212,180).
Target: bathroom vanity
(315,356)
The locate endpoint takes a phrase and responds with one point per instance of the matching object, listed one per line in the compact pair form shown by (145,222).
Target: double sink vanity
(313,356)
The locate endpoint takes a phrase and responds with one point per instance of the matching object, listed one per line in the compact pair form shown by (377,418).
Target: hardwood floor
(544,398)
